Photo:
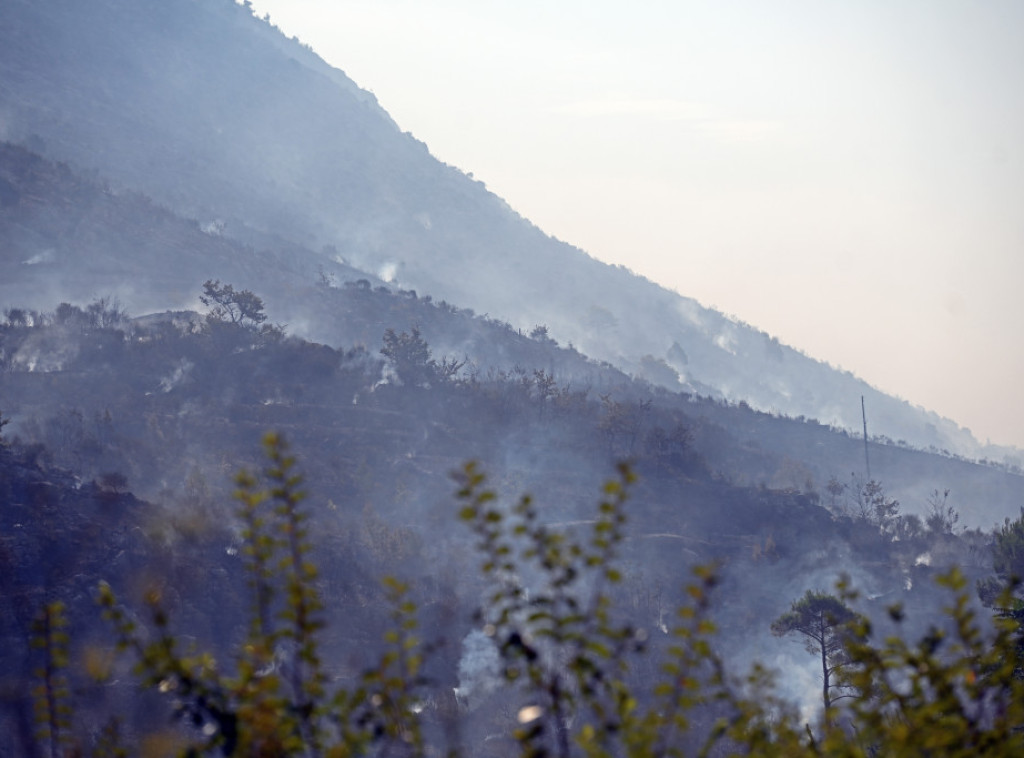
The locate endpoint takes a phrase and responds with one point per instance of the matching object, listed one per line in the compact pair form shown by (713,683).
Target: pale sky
(848,177)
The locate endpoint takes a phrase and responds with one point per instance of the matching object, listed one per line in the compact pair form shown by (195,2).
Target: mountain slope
(82,225)
(66,236)
(215,114)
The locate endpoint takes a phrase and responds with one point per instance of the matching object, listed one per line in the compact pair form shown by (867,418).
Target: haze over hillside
(215,114)
(209,237)
(843,176)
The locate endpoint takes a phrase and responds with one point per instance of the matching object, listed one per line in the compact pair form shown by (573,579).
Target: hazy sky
(846,176)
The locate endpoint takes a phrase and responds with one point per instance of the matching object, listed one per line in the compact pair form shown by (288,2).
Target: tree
(107,313)
(17,317)
(622,422)
(410,355)
(821,619)
(71,316)
(1007,562)
(941,518)
(835,489)
(242,308)
(541,334)
(1001,591)
(546,387)
(1008,551)
(874,506)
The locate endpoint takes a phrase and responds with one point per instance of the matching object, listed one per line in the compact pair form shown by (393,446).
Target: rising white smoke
(479,667)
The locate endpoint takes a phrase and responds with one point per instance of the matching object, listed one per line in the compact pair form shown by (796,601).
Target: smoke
(727,341)
(45,351)
(214,228)
(180,373)
(800,683)
(691,311)
(479,667)
(47,256)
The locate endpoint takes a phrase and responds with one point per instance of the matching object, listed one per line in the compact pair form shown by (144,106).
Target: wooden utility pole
(864,415)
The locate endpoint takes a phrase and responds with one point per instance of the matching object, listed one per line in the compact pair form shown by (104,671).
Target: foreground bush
(570,660)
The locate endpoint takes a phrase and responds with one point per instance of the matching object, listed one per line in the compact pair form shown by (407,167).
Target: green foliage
(562,644)
(385,708)
(952,693)
(51,692)
(256,711)
(569,656)
(110,743)
(277,704)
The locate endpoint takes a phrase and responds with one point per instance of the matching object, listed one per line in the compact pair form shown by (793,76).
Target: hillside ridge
(215,114)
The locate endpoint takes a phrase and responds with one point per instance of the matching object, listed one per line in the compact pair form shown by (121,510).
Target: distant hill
(71,237)
(217,116)
(168,406)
